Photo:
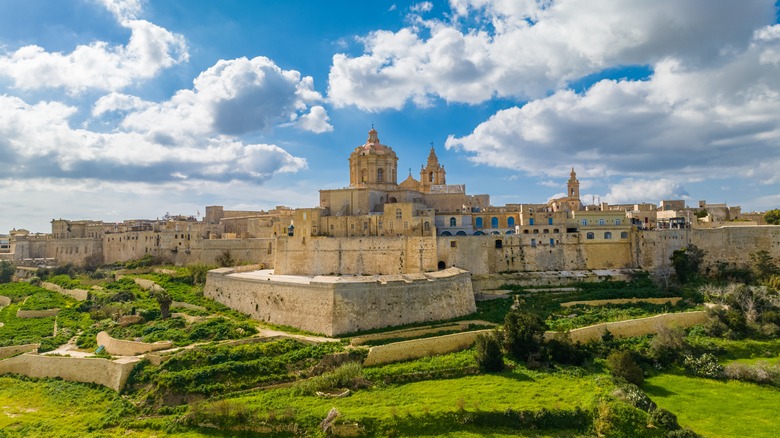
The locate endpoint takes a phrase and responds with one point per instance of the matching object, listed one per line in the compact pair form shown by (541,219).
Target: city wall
(110,373)
(335,305)
(356,255)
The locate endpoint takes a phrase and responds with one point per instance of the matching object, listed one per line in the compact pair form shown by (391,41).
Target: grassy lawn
(517,390)
(715,408)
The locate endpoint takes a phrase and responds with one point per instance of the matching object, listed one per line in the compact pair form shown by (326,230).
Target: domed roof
(373,146)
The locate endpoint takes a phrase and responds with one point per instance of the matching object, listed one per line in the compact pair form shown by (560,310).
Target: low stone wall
(417,332)
(109,373)
(76,294)
(4,301)
(129,348)
(673,300)
(417,348)
(13,350)
(634,327)
(36,313)
(486,282)
(183,305)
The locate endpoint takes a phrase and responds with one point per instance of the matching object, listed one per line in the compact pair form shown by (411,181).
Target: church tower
(373,165)
(433,173)
(573,186)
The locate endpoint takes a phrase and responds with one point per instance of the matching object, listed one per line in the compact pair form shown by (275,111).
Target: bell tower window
(380,175)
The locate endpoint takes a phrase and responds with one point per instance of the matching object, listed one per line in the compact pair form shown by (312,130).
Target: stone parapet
(634,327)
(120,347)
(417,348)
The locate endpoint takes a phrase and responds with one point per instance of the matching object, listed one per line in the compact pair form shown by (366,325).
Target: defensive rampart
(129,348)
(109,373)
(335,305)
(12,350)
(417,348)
(76,294)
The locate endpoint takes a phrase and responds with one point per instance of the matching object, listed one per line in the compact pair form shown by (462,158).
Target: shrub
(631,394)
(523,334)
(682,433)
(622,364)
(667,345)
(563,351)
(705,365)
(349,375)
(663,419)
(618,419)
(198,273)
(761,372)
(488,354)
(6,271)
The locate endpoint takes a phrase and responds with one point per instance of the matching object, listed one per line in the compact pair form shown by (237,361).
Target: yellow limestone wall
(109,373)
(335,305)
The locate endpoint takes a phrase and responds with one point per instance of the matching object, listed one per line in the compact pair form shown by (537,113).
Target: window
(530,221)
(533,243)
(430,177)
(453,243)
(602,222)
(546,231)
(380,175)
(607,235)
(453,222)
(364,175)
(398,214)
(479,222)
(406,225)
(499,243)
(549,221)
(510,222)
(552,242)
(461,233)
(589,236)
(494,222)
(525,231)
(624,235)
(446,233)
(427,226)
(556,231)
(584,222)
(617,222)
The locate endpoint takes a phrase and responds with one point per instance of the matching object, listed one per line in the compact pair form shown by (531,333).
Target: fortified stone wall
(109,373)
(355,256)
(337,305)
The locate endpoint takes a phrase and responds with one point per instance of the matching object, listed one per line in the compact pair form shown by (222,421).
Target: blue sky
(121,109)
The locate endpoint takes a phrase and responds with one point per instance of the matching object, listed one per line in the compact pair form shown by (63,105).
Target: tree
(762,265)
(523,334)
(6,271)
(225,259)
(686,262)
(622,364)
(489,356)
(772,217)
(164,300)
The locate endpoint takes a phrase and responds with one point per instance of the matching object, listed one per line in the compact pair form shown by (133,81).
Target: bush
(489,356)
(761,372)
(6,271)
(631,394)
(198,273)
(523,334)
(705,365)
(663,419)
(622,364)
(682,433)
(563,351)
(667,346)
(349,375)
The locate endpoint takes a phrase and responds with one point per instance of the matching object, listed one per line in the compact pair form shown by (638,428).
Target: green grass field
(718,409)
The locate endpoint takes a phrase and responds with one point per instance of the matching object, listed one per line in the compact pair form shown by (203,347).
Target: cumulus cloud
(524,49)
(233,97)
(632,190)
(38,141)
(694,122)
(421,7)
(99,65)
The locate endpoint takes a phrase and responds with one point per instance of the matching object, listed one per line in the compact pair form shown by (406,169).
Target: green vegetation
(6,271)
(717,408)
(772,217)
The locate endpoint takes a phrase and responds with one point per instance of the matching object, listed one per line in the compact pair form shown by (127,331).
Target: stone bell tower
(433,174)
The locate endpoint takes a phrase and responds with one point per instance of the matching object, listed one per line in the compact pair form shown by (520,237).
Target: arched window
(446,233)
(607,235)
(442,265)
(546,231)
(556,231)
(453,222)
(510,221)
(525,231)
(380,175)
(398,214)
(479,233)
(494,222)
(364,175)
(624,235)
(590,236)
(461,233)
(479,222)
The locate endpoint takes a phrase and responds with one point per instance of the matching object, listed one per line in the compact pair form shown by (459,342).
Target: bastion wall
(336,305)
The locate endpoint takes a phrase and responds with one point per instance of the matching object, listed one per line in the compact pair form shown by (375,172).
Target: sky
(131,109)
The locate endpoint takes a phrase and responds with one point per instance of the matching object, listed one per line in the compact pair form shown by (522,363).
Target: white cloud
(315,121)
(644,190)
(421,7)
(697,122)
(99,65)
(525,49)
(233,97)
